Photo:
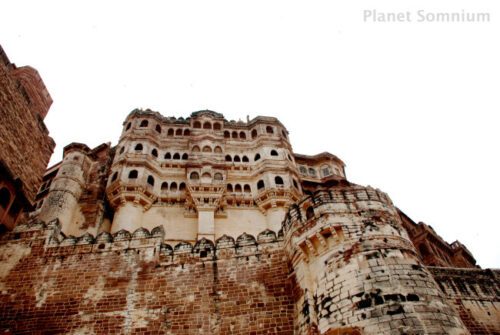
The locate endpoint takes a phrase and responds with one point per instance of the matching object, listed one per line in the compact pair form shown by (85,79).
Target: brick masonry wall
(25,146)
(475,293)
(137,285)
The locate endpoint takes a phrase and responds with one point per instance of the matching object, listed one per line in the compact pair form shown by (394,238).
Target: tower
(25,145)
(356,269)
(75,194)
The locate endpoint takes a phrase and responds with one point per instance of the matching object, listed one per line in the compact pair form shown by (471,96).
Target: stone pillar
(356,271)
(206,198)
(65,191)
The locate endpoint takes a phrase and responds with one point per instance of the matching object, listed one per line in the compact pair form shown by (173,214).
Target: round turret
(357,270)
(66,188)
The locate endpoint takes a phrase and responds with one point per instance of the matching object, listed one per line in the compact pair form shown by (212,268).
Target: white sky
(411,108)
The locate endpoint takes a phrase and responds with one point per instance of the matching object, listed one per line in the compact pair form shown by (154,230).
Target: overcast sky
(411,107)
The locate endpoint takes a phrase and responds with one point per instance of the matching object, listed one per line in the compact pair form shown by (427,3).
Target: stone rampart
(134,283)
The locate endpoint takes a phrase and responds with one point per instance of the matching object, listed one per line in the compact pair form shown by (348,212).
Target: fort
(203,225)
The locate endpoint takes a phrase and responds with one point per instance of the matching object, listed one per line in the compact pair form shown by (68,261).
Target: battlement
(226,246)
(353,200)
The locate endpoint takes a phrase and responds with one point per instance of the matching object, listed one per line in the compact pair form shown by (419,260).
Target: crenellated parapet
(151,242)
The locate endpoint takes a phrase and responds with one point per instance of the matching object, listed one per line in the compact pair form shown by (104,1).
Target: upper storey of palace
(207,138)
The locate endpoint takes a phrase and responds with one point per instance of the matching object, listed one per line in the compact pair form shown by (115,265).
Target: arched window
(227,134)
(115,175)
(144,123)
(260,185)
(218,176)
(309,212)
(254,133)
(217,126)
(186,132)
(168,155)
(151,181)
(158,129)
(237,188)
(312,172)
(290,158)
(196,149)
(257,157)
(128,126)
(269,130)
(229,188)
(278,180)
(234,134)
(173,187)
(274,153)
(243,135)
(303,170)
(177,156)
(236,158)
(295,184)
(164,186)
(207,125)
(284,134)
(194,176)
(197,124)
(170,132)
(178,132)
(154,152)
(132,174)
(206,148)
(245,159)
(122,150)
(228,158)
(325,170)
(218,149)
(138,147)
(182,187)
(185,156)
(246,188)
